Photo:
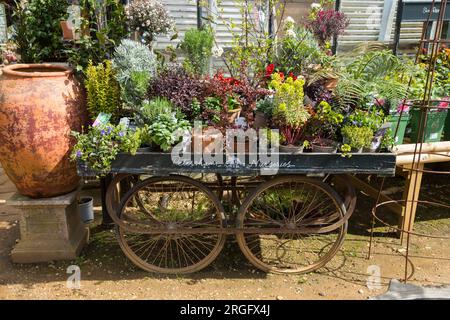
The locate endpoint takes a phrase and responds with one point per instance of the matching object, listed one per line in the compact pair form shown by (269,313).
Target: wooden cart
(174,217)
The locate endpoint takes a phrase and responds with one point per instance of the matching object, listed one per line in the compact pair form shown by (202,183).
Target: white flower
(217,51)
(315,5)
(289,20)
(290,33)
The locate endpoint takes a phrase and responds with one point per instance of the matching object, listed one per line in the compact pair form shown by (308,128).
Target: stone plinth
(50,229)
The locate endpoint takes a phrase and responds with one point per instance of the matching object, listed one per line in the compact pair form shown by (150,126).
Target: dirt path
(107,274)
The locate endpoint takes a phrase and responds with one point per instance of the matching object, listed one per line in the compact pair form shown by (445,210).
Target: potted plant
(97,148)
(437,114)
(149,18)
(399,120)
(167,130)
(434,125)
(289,114)
(264,112)
(357,137)
(233,109)
(324,129)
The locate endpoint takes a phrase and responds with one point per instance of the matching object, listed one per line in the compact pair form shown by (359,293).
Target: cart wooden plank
(159,163)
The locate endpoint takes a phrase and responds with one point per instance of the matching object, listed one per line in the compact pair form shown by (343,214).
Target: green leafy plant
(99,35)
(326,122)
(266,106)
(212,108)
(167,129)
(357,137)
(150,110)
(103,92)
(374,75)
(99,147)
(38,34)
(299,52)
(197,46)
(372,118)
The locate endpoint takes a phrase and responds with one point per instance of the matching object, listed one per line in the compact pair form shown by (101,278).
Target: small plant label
(102,118)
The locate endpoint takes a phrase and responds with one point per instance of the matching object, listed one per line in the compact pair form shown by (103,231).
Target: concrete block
(50,229)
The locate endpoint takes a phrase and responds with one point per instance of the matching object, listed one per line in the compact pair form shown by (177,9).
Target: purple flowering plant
(99,146)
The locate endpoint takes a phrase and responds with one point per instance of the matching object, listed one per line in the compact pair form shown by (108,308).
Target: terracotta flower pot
(233,115)
(208,138)
(40,104)
(260,120)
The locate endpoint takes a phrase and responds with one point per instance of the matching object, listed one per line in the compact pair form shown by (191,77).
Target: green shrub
(38,34)
(197,45)
(103,92)
(357,137)
(150,110)
(98,40)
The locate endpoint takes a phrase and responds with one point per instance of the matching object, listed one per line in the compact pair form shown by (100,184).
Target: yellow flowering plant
(290,114)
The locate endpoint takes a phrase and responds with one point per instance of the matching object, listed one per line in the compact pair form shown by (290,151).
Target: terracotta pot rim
(60,70)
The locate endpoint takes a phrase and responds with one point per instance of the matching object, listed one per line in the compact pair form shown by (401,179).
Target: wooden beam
(373,193)
(411,196)
(429,147)
(407,159)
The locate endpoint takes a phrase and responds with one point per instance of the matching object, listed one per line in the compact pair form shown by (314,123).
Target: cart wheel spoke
(305,211)
(165,205)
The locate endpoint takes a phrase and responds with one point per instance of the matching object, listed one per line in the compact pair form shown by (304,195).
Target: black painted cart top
(159,163)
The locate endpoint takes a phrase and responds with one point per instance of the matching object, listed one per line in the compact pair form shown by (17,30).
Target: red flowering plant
(234,94)
(328,24)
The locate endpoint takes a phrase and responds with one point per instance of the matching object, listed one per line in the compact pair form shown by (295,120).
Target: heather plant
(103,91)
(197,46)
(327,25)
(149,18)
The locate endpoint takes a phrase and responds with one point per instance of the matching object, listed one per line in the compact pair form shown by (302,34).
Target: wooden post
(410,197)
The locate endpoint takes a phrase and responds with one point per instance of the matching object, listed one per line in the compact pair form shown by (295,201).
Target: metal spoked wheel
(175,229)
(291,225)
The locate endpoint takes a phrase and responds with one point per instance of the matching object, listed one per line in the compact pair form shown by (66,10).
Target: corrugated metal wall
(365,24)
(184,13)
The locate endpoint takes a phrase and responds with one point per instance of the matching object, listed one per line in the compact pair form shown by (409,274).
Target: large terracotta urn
(39,106)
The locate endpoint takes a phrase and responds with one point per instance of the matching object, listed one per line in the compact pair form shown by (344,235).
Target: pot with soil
(291,149)
(260,120)
(232,115)
(324,146)
(207,139)
(40,104)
